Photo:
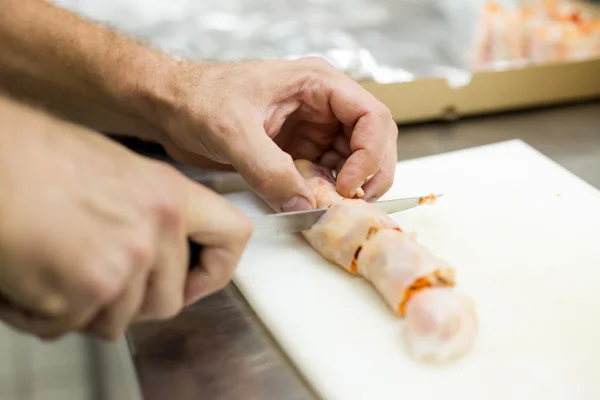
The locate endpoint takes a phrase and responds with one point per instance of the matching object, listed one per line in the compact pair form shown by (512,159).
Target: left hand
(258,116)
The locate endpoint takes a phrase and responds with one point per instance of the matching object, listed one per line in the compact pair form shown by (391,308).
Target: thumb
(270,171)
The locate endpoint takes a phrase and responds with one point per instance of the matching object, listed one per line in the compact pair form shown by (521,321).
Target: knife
(293,222)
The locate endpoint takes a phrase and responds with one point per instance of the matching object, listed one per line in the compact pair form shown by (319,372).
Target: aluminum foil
(381,40)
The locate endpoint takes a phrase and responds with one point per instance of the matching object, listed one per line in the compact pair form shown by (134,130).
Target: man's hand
(93,237)
(260,115)
(255,116)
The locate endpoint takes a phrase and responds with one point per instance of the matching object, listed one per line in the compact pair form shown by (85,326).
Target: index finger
(372,127)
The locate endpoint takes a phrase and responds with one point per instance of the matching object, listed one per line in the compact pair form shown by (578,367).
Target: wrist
(169,97)
(144,92)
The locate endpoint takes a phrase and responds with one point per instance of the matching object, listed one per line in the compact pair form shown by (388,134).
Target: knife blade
(298,221)
(293,222)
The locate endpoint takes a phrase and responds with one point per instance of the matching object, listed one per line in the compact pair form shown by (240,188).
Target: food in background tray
(547,31)
(440,322)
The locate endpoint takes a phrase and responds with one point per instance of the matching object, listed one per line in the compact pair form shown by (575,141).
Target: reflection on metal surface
(213,350)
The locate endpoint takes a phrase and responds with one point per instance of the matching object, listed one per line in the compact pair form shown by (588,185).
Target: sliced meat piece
(342,231)
(441,325)
(398,266)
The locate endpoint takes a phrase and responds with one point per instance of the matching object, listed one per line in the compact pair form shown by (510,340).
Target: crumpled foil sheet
(380,40)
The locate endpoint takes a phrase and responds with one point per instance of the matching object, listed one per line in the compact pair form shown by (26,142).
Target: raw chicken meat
(440,323)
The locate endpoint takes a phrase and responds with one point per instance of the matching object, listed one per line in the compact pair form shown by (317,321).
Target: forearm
(79,70)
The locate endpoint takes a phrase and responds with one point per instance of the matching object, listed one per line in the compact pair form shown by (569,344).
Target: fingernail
(296,204)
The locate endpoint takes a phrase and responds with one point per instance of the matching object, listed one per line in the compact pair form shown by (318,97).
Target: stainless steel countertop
(217,349)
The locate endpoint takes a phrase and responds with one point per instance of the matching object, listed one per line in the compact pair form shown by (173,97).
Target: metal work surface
(217,349)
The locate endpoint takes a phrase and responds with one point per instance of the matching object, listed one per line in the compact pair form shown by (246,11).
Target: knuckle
(167,208)
(140,253)
(163,203)
(99,285)
(224,125)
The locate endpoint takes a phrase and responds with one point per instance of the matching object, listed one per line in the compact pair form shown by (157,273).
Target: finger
(368,145)
(268,169)
(112,322)
(212,274)
(384,179)
(302,141)
(223,232)
(342,146)
(330,159)
(98,285)
(166,282)
(304,148)
(372,125)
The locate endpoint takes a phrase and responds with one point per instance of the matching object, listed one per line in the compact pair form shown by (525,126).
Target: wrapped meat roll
(398,267)
(441,324)
(342,231)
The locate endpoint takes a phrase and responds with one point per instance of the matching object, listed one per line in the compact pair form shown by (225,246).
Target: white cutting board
(529,258)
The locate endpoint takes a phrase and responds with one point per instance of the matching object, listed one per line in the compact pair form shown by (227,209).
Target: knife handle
(194,253)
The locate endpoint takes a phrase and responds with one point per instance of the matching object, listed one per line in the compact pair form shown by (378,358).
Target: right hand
(94,237)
